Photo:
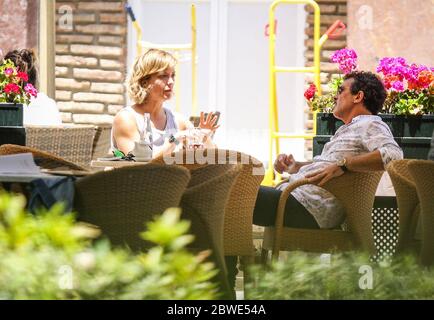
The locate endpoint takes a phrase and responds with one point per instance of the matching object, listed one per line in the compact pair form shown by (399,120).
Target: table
(115,164)
(23,178)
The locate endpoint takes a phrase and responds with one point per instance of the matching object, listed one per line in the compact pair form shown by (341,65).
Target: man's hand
(320,177)
(285,163)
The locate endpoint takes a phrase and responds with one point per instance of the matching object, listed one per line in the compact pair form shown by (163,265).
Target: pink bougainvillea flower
(310,92)
(398,86)
(9,72)
(11,88)
(393,66)
(23,76)
(346,58)
(30,89)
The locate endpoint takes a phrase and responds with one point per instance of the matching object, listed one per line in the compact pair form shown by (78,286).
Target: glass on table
(195,138)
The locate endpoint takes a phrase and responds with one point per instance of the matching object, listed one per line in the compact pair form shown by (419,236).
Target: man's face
(344,99)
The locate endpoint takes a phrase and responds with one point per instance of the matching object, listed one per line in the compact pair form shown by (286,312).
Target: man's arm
(371,161)
(287,163)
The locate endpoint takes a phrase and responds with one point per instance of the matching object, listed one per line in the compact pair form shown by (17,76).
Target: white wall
(233,65)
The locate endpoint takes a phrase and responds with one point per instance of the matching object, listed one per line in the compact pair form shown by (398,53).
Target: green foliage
(347,276)
(50,256)
(326,102)
(409,102)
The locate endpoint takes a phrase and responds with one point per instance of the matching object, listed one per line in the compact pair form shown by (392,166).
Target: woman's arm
(125,132)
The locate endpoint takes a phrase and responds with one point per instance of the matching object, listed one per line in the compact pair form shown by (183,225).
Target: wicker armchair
(356,192)
(408,203)
(102,142)
(422,172)
(121,201)
(43,159)
(238,237)
(203,203)
(72,143)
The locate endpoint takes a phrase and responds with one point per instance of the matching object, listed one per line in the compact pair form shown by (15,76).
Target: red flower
(12,88)
(425,78)
(310,92)
(23,76)
(389,80)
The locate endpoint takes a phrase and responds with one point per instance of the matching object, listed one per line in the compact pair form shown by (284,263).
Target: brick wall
(90,60)
(331,10)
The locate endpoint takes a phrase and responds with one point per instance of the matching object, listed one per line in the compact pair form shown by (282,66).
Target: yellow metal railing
(274,133)
(176,49)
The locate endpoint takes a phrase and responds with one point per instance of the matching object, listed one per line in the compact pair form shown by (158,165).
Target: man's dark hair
(372,87)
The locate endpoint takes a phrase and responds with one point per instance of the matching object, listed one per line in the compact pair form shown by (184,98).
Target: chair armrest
(281,211)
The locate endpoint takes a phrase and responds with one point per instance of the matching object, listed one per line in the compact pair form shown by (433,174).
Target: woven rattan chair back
(238,238)
(408,202)
(43,159)
(356,192)
(204,205)
(72,143)
(102,142)
(422,172)
(122,200)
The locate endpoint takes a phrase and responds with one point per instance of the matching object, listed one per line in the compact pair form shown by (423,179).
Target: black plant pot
(11,124)
(412,132)
(400,125)
(11,114)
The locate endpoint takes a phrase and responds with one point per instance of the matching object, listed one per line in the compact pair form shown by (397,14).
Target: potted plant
(408,109)
(15,91)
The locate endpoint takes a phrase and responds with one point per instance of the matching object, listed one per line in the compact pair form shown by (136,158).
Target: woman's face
(160,85)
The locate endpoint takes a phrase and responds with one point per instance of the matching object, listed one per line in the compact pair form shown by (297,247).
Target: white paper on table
(22,163)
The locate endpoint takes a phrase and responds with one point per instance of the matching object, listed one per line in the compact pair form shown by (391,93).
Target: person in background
(150,84)
(42,110)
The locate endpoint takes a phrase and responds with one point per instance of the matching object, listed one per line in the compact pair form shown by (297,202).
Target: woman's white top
(147,130)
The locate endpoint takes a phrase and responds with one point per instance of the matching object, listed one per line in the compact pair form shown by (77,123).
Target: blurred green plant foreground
(344,276)
(51,256)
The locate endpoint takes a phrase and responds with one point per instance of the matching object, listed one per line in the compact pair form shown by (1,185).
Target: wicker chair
(237,235)
(408,204)
(422,172)
(102,142)
(43,159)
(72,143)
(121,201)
(356,192)
(203,203)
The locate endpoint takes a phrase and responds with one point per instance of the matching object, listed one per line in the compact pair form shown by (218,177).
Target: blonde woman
(149,85)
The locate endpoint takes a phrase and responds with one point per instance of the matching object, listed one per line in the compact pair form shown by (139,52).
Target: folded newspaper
(21,163)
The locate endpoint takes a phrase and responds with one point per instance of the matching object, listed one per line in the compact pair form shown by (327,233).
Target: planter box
(13,135)
(401,126)
(11,114)
(413,148)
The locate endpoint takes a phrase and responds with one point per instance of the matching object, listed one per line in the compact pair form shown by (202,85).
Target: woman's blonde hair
(145,65)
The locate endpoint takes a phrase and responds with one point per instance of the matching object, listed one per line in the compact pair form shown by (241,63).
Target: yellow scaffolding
(176,49)
(274,132)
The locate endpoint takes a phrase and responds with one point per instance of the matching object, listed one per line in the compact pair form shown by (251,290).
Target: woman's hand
(208,123)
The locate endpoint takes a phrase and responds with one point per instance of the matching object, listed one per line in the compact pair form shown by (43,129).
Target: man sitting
(363,143)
